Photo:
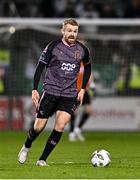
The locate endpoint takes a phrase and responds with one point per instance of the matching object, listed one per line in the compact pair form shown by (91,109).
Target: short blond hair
(70,21)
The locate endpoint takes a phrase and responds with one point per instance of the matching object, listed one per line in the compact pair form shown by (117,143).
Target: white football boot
(22,156)
(72,137)
(41,163)
(78,133)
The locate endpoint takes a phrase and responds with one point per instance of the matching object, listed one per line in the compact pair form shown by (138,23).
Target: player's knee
(39,124)
(60,127)
(37,129)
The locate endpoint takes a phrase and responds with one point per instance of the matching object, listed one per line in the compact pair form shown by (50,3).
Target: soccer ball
(100,158)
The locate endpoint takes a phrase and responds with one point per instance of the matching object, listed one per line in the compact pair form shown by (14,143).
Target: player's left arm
(86,76)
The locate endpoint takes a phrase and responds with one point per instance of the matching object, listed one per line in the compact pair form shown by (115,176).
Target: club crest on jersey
(77,55)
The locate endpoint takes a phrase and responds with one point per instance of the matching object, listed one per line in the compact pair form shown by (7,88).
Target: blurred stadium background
(111,30)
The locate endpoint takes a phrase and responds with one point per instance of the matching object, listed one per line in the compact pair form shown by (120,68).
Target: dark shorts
(49,104)
(86,99)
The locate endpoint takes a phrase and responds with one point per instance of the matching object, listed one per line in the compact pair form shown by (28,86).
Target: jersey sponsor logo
(68,67)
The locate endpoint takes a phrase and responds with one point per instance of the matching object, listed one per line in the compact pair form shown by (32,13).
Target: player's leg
(39,125)
(84,117)
(72,123)
(32,135)
(78,133)
(40,122)
(87,110)
(64,110)
(78,130)
(62,118)
(72,135)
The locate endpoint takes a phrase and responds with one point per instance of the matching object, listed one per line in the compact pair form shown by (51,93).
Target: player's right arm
(43,62)
(36,79)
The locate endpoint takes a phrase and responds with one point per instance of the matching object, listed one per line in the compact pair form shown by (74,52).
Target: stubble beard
(71,41)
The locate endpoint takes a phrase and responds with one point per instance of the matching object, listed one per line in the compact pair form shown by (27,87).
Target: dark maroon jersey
(63,64)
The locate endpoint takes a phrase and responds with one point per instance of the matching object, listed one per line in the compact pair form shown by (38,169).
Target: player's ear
(62,30)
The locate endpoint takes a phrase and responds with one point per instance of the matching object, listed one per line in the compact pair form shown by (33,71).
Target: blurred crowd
(70,8)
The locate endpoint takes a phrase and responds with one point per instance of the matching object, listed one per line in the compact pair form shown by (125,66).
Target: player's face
(70,33)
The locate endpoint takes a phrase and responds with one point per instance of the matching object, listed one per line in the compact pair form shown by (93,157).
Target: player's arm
(43,62)
(36,79)
(86,76)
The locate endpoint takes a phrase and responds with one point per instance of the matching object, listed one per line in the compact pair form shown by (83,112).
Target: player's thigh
(62,118)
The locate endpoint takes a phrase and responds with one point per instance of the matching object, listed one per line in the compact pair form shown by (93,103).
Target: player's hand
(35,97)
(80,96)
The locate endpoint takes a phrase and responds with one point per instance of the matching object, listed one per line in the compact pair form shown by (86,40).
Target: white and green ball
(100,158)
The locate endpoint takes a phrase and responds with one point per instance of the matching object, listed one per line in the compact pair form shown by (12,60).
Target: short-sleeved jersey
(63,64)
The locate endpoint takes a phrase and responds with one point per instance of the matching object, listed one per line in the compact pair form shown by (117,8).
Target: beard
(70,40)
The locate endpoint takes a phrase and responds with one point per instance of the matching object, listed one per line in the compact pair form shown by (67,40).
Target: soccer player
(61,59)
(87,109)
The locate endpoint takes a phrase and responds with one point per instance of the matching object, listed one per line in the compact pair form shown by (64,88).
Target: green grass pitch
(72,160)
